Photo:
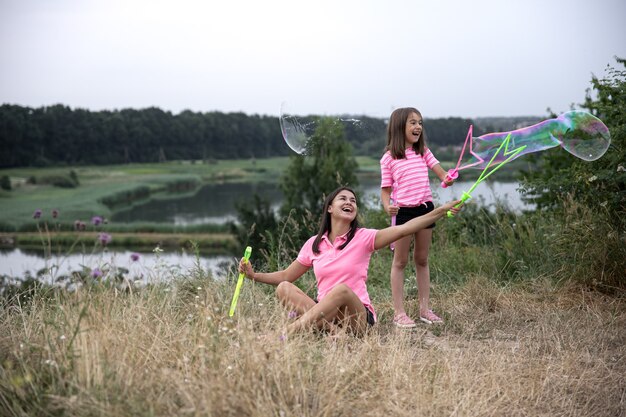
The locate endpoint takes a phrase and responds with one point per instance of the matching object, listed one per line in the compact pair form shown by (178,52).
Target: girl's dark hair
(395,133)
(325,223)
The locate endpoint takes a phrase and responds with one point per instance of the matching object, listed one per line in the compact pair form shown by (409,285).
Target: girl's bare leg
(341,304)
(423,239)
(400,261)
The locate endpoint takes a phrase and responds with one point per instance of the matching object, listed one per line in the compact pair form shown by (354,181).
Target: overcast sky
(467,58)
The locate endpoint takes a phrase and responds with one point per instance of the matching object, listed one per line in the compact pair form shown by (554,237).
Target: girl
(339,256)
(404,170)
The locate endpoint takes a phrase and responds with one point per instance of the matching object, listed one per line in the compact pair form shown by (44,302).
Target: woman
(339,255)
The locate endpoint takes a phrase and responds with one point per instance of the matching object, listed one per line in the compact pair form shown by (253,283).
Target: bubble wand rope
(484,174)
(233,303)
(453,174)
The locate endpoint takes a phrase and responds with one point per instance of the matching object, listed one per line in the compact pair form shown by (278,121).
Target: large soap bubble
(298,130)
(578,132)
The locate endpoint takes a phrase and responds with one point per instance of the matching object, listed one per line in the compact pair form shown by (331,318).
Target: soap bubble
(578,132)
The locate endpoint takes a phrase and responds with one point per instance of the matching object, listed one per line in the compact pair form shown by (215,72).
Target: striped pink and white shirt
(408,177)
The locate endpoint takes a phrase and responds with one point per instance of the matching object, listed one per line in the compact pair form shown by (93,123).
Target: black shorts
(408,213)
(370,316)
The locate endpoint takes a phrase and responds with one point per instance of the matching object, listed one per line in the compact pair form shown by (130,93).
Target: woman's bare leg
(294,298)
(342,305)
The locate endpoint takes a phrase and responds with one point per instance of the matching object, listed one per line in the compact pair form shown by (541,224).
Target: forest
(58,135)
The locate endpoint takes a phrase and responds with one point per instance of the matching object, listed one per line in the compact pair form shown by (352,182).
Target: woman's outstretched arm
(291,273)
(390,234)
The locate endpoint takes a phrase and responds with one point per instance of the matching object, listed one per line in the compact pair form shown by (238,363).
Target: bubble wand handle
(393,221)
(484,174)
(233,303)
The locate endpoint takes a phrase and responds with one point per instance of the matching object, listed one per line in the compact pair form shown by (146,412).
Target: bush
(5,183)
(589,198)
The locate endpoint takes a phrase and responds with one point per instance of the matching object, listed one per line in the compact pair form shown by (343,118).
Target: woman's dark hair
(325,224)
(396,130)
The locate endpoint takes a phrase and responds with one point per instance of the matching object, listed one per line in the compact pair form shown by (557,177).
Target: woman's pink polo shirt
(348,266)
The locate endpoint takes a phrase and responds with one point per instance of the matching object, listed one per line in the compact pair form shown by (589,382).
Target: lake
(215,204)
(149,267)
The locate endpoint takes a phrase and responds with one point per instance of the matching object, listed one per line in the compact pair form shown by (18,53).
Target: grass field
(534,308)
(120,183)
(518,350)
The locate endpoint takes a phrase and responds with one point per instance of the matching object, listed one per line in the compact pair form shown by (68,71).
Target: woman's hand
(245,267)
(450,206)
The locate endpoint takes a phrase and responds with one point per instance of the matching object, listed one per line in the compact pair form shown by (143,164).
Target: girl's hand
(448,181)
(392,210)
(246,268)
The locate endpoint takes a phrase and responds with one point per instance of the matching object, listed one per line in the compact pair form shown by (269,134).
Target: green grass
(114,184)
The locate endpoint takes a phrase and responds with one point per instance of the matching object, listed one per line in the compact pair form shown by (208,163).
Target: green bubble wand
(483,175)
(233,303)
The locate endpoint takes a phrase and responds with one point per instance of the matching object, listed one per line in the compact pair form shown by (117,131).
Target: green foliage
(574,188)
(60,181)
(600,184)
(257,223)
(74,177)
(60,136)
(329,164)
(5,183)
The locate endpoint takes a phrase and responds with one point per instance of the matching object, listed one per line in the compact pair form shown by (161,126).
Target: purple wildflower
(134,257)
(37,214)
(104,238)
(55,213)
(96,273)
(79,226)
(293,314)
(96,220)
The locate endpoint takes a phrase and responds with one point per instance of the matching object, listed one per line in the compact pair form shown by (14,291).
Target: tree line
(59,135)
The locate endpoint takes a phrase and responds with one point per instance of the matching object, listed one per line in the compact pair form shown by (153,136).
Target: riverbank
(206,243)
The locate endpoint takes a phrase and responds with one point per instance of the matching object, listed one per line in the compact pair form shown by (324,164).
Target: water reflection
(149,267)
(213,203)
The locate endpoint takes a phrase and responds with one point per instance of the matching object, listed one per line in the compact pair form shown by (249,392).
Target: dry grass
(533,350)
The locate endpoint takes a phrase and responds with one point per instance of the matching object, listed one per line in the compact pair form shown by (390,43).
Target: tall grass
(526,333)
(172,350)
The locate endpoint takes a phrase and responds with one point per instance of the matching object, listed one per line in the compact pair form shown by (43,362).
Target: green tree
(601,184)
(5,182)
(328,164)
(587,200)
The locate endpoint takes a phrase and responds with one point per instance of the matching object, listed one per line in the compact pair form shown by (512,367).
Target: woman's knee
(341,291)
(284,290)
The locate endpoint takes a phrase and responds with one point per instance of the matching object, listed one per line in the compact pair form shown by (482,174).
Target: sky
(448,58)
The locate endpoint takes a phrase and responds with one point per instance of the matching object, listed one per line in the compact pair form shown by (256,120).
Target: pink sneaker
(403,321)
(431,318)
